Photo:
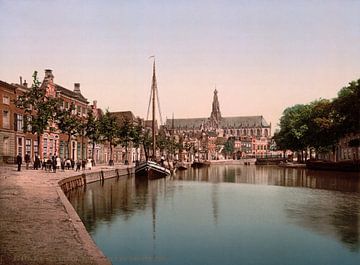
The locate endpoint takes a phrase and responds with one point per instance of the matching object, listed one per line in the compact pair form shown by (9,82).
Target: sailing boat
(151,169)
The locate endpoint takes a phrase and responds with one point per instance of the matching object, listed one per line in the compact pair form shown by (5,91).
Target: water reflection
(323,203)
(273,175)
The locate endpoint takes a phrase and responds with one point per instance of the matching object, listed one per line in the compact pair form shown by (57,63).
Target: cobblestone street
(36,225)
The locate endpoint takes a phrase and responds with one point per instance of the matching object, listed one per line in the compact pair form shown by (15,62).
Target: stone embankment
(38,225)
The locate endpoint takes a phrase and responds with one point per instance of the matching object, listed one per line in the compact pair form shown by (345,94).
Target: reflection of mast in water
(214,201)
(152,194)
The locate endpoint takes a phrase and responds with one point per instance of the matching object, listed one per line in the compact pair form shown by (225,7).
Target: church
(251,134)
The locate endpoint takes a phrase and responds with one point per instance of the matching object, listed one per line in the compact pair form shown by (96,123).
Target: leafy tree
(229,147)
(126,135)
(40,109)
(347,108)
(137,133)
(69,124)
(92,131)
(322,134)
(146,140)
(109,132)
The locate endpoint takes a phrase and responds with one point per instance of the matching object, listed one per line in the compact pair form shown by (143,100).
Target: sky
(262,56)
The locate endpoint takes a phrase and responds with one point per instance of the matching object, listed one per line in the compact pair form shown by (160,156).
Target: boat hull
(200,164)
(151,170)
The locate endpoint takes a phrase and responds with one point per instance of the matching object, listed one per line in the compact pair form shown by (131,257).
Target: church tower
(215,116)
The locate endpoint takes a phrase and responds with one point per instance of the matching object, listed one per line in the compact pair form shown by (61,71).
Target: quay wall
(76,181)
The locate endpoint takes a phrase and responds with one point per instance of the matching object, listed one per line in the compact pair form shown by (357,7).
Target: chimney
(25,84)
(77,88)
(49,75)
(21,81)
(95,104)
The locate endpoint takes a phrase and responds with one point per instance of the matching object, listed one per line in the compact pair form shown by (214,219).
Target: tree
(126,135)
(322,134)
(229,147)
(347,108)
(69,124)
(109,128)
(40,109)
(92,132)
(137,136)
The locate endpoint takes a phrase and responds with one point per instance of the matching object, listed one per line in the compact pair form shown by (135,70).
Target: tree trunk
(39,149)
(69,147)
(93,153)
(111,161)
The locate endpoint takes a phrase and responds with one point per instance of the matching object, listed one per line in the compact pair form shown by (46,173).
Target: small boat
(199,164)
(148,168)
(181,166)
(151,170)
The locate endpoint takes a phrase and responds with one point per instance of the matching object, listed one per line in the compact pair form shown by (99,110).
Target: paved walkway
(37,224)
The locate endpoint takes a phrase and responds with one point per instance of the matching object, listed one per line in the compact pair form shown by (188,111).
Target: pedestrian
(78,165)
(19,162)
(62,164)
(72,164)
(68,163)
(48,164)
(43,164)
(27,160)
(83,164)
(89,164)
(36,162)
(58,163)
(54,164)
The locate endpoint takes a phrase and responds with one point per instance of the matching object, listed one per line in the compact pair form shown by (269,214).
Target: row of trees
(320,124)
(46,113)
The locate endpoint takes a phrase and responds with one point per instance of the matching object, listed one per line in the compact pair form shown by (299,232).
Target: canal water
(226,215)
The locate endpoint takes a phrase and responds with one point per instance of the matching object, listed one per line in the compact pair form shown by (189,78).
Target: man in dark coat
(19,161)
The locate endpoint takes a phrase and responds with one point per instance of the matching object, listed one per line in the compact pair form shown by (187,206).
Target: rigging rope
(148,109)
(158,101)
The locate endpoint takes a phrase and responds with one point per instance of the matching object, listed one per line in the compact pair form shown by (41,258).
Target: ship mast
(153,89)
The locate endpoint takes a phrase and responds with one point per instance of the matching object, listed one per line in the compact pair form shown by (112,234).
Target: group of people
(55,163)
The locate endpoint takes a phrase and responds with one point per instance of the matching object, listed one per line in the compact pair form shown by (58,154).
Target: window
(6,100)
(28,146)
(28,123)
(20,146)
(78,151)
(66,105)
(6,119)
(51,146)
(79,110)
(36,148)
(19,122)
(45,147)
(266,133)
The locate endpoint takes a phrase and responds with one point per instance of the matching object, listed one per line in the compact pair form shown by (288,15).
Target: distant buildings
(250,134)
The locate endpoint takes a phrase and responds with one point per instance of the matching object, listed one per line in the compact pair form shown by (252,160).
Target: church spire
(215,116)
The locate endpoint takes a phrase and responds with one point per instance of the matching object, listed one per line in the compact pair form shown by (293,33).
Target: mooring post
(102,175)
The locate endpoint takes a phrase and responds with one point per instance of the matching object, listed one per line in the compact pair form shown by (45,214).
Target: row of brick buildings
(15,132)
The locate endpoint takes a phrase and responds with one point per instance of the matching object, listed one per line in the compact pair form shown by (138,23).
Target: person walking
(54,164)
(36,162)
(19,162)
(68,163)
(58,163)
(27,160)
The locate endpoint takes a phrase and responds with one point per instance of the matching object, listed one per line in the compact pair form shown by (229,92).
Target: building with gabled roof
(239,127)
